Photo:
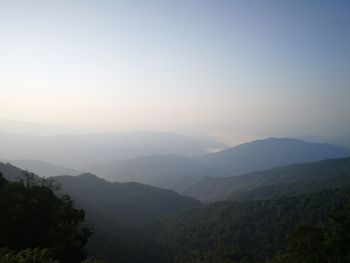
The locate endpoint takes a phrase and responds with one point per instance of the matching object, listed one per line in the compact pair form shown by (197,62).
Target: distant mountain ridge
(43,169)
(291,180)
(128,219)
(78,151)
(196,177)
(10,172)
(128,198)
(124,217)
(271,152)
(152,169)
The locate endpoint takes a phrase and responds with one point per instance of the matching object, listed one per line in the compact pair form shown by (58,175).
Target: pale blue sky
(189,66)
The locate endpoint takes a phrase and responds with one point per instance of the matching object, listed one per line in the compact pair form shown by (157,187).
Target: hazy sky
(211,67)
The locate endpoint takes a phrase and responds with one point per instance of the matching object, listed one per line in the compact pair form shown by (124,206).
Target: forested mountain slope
(34,218)
(274,183)
(268,153)
(124,217)
(132,203)
(249,231)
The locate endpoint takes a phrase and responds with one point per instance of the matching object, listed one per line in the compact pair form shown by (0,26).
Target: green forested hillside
(250,231)
(275,183)
(124,216)
(132,203)
(327,243)
(137,223)
(32,216)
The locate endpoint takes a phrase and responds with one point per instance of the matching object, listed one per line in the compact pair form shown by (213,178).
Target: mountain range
(273,183)
(78,151)
(129,219)
(271,152)
(206,177)
(121,215)
(191,176)
(43,169)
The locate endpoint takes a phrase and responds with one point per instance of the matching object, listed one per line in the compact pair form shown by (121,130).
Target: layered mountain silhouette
(131,203)
(127,217)
(121,215)
(43,169)
(267,153)
(153,169)
(274,183)
(213,176)
(78,151)
(184,174)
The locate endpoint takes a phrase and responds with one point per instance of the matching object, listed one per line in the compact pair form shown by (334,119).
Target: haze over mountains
(180,173)
(271,152)
(120,214)
(78,151)
(136,222)
(43,169)
(149,169)
(175,131)
(138,188)
(126,217)
(291,180)
(212,176)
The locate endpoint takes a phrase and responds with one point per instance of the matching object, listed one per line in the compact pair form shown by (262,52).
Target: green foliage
(93,260)
(250,231)
(33,216)
(306,244)
(126,222)
(328,244)
(36,255)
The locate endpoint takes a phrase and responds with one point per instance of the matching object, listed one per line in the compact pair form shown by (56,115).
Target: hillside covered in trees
(124,217)
(280,215)
(40,224)
(257,231)
(290,180)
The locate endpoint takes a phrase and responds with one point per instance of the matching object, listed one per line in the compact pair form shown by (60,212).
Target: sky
(230,69)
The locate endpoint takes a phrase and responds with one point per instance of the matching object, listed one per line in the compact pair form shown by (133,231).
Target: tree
(310,244)
(36,255)
(32,216)
(28,179)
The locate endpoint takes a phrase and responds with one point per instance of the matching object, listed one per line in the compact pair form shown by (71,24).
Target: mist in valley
(174,131)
